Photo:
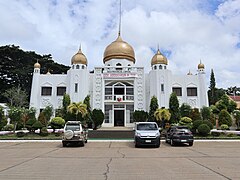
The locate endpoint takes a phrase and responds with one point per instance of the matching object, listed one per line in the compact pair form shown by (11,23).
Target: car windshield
(73,127)
(147,127)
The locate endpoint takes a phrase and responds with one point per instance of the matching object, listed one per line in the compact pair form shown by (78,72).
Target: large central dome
(119,49)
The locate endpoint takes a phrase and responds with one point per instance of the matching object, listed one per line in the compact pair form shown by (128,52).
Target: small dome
(189,73)
(119,49)
(201,65)
(79,58)
(37,65)
(158,58)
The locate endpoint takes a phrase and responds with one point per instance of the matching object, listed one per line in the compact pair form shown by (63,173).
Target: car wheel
(171,142)
(64,144)
(158,145)
(191,143)
(136,144)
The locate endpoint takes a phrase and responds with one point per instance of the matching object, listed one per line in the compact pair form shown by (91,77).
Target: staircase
(111,133)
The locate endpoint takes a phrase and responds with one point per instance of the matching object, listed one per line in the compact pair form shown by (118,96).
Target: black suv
(179,134)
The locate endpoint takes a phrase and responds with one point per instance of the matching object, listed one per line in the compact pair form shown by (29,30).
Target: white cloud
(191,30)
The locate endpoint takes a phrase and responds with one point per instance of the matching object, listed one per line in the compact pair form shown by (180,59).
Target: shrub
(210,125)
(224,127)
(3,123)
(215,133)
(203,129)
(57,123)
(8,127)
(97,117)
(196,124)
(140,116)
(44,131)
(186,121)
(37,125)
(30,123)
(225,118)
(20,134)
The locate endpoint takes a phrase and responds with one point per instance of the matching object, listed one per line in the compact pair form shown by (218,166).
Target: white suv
(146,133)
(74,133)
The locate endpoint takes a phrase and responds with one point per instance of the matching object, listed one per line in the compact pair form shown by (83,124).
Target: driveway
(119,160)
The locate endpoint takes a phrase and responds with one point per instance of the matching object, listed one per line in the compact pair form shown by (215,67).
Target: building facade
(118,87)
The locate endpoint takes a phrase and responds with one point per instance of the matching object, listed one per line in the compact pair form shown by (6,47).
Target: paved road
(119,160)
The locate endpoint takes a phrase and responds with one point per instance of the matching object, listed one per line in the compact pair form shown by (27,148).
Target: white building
(118,87)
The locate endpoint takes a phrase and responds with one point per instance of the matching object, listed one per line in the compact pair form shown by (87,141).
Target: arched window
(165,67)
(160,67)
(77,66)
(118,64)
(73,66)
(155,67)
(82,66)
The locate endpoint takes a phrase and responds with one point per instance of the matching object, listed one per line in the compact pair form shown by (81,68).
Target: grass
(30,136)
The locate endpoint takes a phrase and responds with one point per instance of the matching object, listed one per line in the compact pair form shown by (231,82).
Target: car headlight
(138,134)
(157,134)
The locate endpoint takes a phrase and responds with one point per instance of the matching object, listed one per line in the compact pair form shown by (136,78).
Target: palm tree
(162,115)
(76,108)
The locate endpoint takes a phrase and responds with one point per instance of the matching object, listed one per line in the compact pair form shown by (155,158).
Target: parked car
(179,134)
(74,132)
(146,133)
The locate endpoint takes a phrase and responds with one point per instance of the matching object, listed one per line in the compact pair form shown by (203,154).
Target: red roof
(235,98)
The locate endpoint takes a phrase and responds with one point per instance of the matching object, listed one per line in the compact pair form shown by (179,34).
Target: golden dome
(79,58)
(37,65)
(158,58)
(119,49)
(201,65)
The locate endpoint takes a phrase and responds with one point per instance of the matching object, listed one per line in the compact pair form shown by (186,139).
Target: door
(118,117)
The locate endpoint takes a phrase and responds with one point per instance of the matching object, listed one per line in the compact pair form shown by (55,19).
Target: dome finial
(37,65)
(201,65)
(120,14)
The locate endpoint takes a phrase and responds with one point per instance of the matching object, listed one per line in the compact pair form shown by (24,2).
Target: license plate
(148,141)
(183,140)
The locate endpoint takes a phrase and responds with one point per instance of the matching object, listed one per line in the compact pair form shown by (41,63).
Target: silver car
(74,133)
(147,133)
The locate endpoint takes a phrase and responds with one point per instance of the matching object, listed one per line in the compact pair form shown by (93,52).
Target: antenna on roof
(120,14)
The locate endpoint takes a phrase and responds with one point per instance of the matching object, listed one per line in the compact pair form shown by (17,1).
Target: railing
(127,98)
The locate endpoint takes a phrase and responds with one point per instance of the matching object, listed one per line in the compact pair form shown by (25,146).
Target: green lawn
(31,137)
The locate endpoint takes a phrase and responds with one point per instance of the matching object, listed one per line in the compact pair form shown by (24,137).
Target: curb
(109,140)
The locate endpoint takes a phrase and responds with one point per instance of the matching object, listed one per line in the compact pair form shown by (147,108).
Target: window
(61,91)
(155,67)
(177,90)
(160,67)
(76,87)
(77,66)
(162,87)
(106,114)
(82,67)
(129,91)
(192,91)
(131,109)
(108,91)
(46,91)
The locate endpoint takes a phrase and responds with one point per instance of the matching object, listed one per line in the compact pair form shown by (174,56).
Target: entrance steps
(111,133)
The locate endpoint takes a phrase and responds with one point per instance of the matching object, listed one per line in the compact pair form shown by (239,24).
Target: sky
(186,32)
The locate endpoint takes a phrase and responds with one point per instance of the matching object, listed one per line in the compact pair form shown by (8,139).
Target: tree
(153,108)
(77,108)
(47,112)
(205,112)
(174,108)
(16,97)
(3,120)
(185,110)
(65,103)
(236,115)
(162,115)
(37,125)
(140,116)
(27,114)
(88,117)
(195,114)
(97,117)
(15,114)
(42,118)
(225,118)
(212,89)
